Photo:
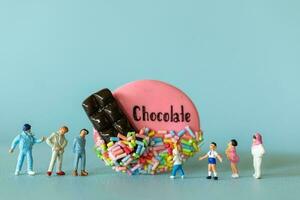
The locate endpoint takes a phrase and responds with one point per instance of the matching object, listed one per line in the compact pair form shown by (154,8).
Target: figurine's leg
(181,171)
(209,169)
(52,162)
(59,162)
(83,161)
(233,168)
(20,162)
(59,172)
(255,167)
(236,168)
(76,161)
(258,167)
(214,169)
(174,170)
(29,161)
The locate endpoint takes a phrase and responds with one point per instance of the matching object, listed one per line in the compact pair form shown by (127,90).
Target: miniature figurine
(257,151)
(57,142)
(177,165)
(79,151)
(212,156)
(25,140)
(233,157)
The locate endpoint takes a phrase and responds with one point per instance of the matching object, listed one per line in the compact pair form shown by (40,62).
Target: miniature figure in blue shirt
(79,151)
(25,140)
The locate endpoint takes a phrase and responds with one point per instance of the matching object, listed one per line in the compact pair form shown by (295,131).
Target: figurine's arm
(227,152)
(64,144)
(219,158)
(74,144)
(173,159)
(181,156)
(49,140)
(263,151)
(176,157)
(14,143)
(35,140)
(203,157)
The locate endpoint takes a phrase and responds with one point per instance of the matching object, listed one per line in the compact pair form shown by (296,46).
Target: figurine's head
(257,139)
(233,143)
(63,130)
(26,128)
(83,132)
(213,146)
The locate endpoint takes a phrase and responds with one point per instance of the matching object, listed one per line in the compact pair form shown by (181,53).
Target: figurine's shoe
(49,173)
(182,176)
(61,173)
(31,173)
(215,178)
(17,173)
(208,177)
(172,177)
(235,176)
(255,176)
(74,173)
(84,173)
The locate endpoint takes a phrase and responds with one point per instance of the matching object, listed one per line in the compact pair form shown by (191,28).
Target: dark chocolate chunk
(113,111)
(100,121)
(90,105)
(122,126)
(104,97)
(106,115)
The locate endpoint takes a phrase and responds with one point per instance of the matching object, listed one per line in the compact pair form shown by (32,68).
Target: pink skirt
(234,158)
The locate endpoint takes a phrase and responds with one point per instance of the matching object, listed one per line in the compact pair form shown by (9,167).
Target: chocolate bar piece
(103,97)
(113,112)
(90,105)
(122,126)
(100,121)
(106,115)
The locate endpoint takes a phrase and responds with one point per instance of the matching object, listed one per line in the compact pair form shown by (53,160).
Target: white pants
(257,166)
(56,156)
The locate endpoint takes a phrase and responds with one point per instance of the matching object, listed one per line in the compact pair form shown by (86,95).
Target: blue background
(237,60)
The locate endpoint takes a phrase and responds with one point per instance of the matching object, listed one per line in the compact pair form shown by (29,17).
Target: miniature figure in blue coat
(79,151)
(25,140)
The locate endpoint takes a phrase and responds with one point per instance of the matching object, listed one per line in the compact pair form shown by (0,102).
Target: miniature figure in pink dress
(233,157)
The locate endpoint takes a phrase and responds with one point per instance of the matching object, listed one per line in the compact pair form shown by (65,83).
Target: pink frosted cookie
(138,125)
(158,105)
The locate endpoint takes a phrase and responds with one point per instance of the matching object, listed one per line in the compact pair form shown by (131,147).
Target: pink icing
(168,107)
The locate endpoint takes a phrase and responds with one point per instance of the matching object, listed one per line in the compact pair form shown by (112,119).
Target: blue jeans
(176,168)
(22,155)
(82,158)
